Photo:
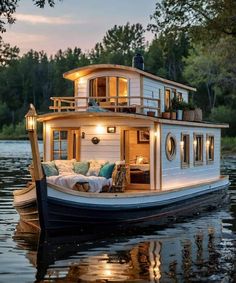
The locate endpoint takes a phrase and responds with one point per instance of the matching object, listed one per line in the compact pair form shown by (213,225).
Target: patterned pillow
(81,167)
(65,166)
(94,167)
(50,169)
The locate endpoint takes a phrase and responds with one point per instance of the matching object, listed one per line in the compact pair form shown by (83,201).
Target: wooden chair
(119,179)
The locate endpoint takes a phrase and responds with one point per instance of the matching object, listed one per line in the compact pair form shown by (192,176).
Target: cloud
(37,19)
(15,38)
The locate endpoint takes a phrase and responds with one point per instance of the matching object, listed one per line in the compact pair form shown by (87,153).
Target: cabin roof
(83,71)
(125,116)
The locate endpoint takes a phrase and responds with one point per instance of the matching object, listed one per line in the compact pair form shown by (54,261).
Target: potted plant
(172,113)
(166,114)
(177,108)
(189,112)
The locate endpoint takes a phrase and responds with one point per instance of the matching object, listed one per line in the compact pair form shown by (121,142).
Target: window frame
(185,164)
(168,156)
(108,89)
(208,160)
(73,152)
(195,136)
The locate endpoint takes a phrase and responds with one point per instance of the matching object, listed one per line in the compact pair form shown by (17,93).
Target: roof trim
(83,71)
(115,115)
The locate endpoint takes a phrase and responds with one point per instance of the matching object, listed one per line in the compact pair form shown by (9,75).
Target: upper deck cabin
(120,89)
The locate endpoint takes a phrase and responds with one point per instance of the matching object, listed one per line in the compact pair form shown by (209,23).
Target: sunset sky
(73,23)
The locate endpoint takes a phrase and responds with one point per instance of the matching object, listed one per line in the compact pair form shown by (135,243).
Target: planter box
(189,115)
(166,115)
(173,115)
(151,113)
(198,114)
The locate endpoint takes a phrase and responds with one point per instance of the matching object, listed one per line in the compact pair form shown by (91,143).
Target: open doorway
(137,157)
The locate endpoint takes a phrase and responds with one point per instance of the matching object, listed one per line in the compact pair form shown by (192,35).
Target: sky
(71,23)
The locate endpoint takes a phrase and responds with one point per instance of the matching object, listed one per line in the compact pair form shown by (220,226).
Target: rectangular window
(184,150)
(180,96)
(122,90)
(113,89)
(65,144)
(198,149)
(167,99)
(210,144)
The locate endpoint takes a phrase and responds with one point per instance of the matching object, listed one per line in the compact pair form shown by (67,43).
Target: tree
(165,55)
(119,45)
(7,53)
(201,18)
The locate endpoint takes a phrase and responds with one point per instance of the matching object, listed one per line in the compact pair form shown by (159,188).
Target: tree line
(195,44)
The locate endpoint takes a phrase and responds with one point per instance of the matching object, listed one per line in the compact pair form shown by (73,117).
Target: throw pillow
(81,167)
(50,169)
(65,166)
(106,170)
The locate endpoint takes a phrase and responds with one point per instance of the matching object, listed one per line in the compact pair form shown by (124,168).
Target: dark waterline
(197,249)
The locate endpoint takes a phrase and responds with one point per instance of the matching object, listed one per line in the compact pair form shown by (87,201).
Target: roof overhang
(84,71)
(125,116)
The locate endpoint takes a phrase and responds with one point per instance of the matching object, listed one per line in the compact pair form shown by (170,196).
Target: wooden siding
(172,173)
(156,89)
(109,146)
(152,89)
(107,149)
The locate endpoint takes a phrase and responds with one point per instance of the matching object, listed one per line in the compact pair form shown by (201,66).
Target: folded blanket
(69,181)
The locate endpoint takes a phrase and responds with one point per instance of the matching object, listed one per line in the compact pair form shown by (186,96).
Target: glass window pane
(113,88)
(56,155)
(63,135)
(64,145)
(167,99)
(56,135)
(63,155)
(123,90)
(56,146)
(101,88)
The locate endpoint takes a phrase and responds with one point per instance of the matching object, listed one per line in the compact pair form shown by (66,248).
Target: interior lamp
(31,119)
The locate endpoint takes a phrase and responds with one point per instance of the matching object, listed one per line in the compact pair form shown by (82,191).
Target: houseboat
(110,156)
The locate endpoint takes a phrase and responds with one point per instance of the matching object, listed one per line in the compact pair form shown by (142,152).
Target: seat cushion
(106,170)
(81,167)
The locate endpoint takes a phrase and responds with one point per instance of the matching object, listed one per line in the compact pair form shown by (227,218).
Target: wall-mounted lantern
(31,119)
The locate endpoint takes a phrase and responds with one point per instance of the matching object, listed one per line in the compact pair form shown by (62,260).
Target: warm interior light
(100,129)
(182,144)
(31,119)
(208,143)
(156,134)
(195,143)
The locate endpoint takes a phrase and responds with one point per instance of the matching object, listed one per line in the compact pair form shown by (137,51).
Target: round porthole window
(170,147)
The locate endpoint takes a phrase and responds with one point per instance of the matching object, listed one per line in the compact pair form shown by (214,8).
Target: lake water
(196,249)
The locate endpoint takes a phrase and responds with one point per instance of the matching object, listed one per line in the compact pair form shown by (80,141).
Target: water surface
(196,249)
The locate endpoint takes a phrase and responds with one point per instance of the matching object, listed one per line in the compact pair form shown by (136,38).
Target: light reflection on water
(199,249)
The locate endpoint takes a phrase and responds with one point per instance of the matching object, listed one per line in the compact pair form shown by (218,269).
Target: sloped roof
(83,71)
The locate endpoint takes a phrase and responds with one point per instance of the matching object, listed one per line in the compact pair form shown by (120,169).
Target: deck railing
(113,103)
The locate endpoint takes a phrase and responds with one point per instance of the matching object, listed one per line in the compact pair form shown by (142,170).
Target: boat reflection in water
(186,251)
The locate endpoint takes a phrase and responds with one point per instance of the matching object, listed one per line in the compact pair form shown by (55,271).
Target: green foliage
(228,145)
(165,55)
(119,45)
(225,114)
(203,19)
